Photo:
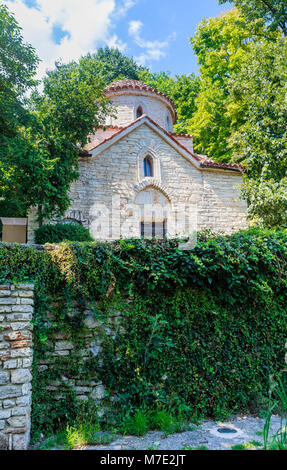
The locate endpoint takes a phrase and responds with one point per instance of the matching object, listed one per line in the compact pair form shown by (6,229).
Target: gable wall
(114,172)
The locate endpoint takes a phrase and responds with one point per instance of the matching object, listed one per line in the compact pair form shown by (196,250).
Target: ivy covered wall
(141,322)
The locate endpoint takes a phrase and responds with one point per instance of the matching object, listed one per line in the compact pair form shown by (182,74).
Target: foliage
(85,431)
(158,418)
(267,201)
(164,421)
(220,43)
(18,63)
(167,421)
(110,64)
(40,137)
(137,424)
(240,110)
(70,108)
(277,402)
(62,231)
(273,13)
(200,331)
(258,91)
(195,448)
(253,445)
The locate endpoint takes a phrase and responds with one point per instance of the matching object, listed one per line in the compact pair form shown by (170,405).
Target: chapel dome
(130,96)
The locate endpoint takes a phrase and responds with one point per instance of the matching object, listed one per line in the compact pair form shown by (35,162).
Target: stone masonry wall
(155,107)
(16,355)
(215,195)
(115,172)
(62,346)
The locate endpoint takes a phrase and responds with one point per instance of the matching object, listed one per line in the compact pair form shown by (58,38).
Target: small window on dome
(168,124)
(148,167)
(139,112)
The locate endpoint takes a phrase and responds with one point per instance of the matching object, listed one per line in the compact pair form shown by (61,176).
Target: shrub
(137,424)
(60,232)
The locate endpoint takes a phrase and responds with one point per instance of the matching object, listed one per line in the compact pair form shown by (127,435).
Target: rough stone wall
(16,354)
(187,142)
(152,105)
(63,346)
(32,224)
(115,172)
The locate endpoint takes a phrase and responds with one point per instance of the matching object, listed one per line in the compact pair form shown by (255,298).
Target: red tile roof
(204,161)
(136,85)
(102,134)
(187,136)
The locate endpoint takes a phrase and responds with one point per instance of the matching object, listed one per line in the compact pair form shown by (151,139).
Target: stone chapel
(139,178)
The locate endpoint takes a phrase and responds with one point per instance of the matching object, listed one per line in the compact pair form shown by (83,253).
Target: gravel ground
(205,434)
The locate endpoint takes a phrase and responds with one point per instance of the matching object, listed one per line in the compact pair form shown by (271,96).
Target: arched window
(148,167)
(168,123)
(139,112)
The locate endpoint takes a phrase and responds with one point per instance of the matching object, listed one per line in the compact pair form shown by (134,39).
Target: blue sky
(155,32)
(177,19)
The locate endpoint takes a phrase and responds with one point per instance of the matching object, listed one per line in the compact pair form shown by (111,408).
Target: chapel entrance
(154,210)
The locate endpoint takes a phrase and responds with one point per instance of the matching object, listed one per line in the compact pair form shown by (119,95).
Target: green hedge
(59,232)
(204,329)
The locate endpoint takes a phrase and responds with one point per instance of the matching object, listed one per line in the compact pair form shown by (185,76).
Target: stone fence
(16,355)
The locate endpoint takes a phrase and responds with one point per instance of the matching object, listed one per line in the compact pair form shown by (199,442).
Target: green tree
(40,138)
(110,64)
(258,91)
(183,89)
(220,44)
(18,63)
(71,107)
(271,13)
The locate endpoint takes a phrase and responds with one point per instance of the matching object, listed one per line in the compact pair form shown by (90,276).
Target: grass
(252,445)
(87,430)
(276,402)
(159,419)
(163,420)
(86,434)
(155,446)
(136,424)
(195,448)
(56,441)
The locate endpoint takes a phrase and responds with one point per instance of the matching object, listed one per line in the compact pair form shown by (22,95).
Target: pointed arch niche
(140,109)
(148,166)
(154,212)
(139,112)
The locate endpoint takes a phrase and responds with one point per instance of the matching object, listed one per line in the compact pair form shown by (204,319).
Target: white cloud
(115,42)
(88,23)
(153,50)
(123,7)
(135,27)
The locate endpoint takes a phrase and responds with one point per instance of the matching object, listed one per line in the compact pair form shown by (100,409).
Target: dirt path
(244,429)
